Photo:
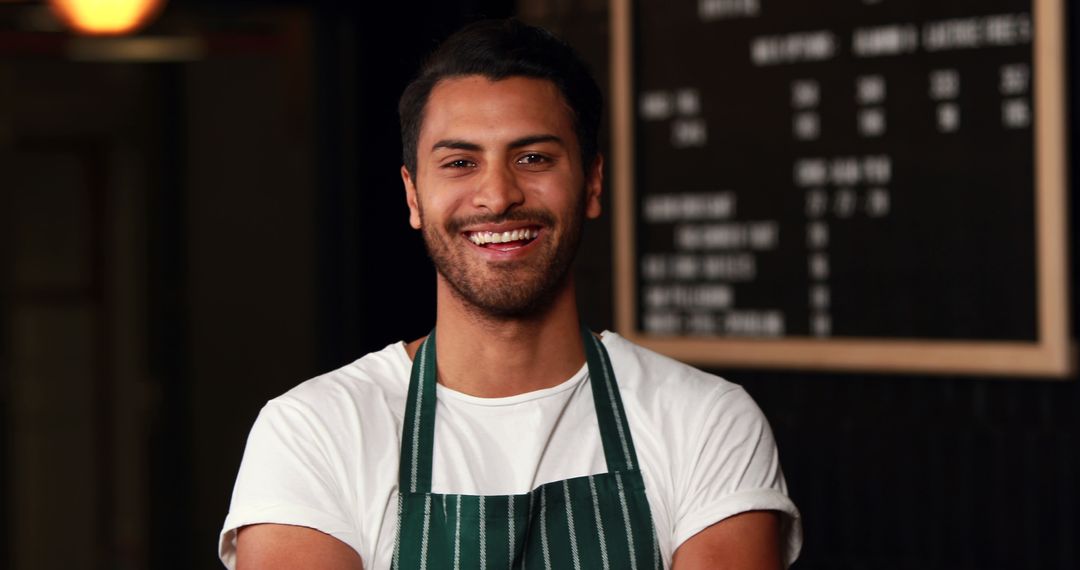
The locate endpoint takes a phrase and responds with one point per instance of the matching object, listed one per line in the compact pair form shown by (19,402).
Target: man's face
(500,193)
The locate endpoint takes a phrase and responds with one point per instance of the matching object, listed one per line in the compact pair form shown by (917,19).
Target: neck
(496,357)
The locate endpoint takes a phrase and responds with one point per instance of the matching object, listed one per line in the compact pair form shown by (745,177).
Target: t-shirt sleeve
(735,469)
(289,475)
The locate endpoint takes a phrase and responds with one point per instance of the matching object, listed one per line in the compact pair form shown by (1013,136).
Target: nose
(498,190)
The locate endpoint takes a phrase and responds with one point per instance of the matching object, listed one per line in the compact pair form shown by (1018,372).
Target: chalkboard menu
(868,184)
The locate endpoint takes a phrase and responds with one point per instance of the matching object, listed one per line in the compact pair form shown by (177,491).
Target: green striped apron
(594,522)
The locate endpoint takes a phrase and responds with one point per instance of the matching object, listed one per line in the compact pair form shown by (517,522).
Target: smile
(523,235)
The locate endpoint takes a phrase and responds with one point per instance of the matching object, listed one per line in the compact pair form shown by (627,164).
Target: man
(510,436)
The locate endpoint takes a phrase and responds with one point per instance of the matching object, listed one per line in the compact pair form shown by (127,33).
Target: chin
(510,301)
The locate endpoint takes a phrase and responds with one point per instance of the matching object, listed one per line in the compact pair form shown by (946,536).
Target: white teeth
(481,238)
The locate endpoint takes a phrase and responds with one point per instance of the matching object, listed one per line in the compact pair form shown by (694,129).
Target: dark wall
(927,472)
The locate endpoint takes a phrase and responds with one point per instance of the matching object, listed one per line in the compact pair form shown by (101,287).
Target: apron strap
(610,415)
(418,431)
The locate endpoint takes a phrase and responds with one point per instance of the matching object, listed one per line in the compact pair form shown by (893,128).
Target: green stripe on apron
(599,521)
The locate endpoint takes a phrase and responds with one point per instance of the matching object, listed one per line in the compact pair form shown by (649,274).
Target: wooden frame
(1052,355)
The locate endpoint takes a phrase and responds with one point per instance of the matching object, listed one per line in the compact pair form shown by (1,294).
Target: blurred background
(200,216)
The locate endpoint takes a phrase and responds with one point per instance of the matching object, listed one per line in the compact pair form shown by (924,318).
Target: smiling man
(510,436)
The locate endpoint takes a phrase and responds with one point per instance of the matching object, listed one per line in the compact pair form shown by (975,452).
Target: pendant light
(106,17)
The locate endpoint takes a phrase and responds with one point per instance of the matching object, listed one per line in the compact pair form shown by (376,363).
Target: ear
(410,198)
(594,185)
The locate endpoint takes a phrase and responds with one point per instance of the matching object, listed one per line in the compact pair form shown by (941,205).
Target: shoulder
(650,376)
(374,384)
(681,411)
(706,449)
(310,449)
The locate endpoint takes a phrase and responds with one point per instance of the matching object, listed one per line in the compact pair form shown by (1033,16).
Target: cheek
(567,195)
(439,206)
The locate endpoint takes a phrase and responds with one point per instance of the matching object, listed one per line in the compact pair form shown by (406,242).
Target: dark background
(184,238)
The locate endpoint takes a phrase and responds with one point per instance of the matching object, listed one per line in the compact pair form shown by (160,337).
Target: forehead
(475,107)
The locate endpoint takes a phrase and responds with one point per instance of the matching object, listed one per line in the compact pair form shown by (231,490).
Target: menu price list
(846,168)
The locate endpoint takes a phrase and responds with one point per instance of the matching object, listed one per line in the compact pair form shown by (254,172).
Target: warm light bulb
(106,17)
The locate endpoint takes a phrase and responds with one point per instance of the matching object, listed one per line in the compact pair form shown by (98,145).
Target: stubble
(511,290)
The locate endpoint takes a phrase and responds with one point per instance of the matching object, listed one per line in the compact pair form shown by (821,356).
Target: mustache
(530,216)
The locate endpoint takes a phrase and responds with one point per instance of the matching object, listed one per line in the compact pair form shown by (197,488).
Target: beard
(512,290)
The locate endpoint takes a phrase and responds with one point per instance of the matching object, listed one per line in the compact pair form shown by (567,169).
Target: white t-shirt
(325,454)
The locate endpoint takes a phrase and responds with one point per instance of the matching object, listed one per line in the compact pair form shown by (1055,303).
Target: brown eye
(460,163)
(533,159)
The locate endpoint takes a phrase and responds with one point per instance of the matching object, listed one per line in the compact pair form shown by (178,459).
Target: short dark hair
(499,49)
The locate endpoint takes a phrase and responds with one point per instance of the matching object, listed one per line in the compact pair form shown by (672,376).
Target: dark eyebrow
(535,139)
(458,144)
(455,144)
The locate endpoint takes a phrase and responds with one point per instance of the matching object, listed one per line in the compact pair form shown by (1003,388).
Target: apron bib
(594,522)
